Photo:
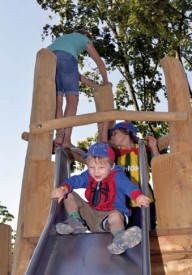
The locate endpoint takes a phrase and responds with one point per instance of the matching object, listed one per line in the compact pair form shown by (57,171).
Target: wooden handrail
(49,125)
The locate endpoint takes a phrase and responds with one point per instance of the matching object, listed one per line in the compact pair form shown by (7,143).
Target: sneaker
(71,226)
(127,239)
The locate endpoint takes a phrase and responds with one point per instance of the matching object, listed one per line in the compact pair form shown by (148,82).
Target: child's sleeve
(77,181)
(126,186)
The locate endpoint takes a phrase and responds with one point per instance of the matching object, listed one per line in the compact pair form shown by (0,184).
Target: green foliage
(5,216)
(132,36)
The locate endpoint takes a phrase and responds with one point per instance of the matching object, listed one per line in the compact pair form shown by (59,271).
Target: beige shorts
(95,220)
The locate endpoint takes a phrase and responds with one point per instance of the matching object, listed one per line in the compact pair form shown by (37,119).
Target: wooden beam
(49,125)
(72,155)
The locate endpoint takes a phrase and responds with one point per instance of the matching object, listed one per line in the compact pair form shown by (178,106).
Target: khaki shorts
(95,220)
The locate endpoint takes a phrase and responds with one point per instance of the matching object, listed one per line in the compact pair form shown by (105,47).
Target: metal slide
(82,254)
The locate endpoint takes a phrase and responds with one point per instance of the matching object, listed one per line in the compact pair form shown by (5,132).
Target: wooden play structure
(171,244)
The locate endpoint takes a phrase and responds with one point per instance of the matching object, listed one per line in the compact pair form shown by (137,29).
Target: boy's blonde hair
(99,160)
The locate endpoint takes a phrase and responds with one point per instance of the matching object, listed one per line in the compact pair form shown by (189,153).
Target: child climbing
(106,186)
(67,49)
(123,138)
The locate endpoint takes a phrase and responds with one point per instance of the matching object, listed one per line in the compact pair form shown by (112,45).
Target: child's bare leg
(74,224)
(59,114)
(115,222)
(104,132)
(123,239)
(70,110)
(70,204)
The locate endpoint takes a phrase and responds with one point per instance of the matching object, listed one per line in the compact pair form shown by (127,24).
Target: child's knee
(70,196)
(114,217)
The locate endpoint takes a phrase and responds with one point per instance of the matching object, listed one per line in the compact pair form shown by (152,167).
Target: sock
(117,232)
(75,214)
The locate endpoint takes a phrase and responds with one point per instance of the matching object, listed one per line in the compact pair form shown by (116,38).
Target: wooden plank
(5,249)
(171,251)
(172,182)
(171,243)
(172,264)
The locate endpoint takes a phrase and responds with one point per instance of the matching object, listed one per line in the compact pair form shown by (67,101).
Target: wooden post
(178,101)
(104,101)
(5,249)
(39,170)
(172,173)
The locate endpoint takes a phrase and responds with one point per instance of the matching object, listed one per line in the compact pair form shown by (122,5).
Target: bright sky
(21,27)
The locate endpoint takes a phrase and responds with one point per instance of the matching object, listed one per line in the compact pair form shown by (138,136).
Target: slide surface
(82,254)
(86,254)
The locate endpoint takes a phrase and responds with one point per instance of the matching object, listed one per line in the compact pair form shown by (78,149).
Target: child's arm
(142,200)
(152,142)
(60,193)
(88,82)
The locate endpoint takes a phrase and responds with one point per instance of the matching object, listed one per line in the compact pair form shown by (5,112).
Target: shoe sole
(80,230)
(64,229)
(130,238)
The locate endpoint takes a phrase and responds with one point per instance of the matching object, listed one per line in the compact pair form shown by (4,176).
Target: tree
(5,216)
(137,34)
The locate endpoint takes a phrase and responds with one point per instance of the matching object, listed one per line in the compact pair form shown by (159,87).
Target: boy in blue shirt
(105,210)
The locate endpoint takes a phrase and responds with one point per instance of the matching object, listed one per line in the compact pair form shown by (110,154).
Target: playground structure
(171,244)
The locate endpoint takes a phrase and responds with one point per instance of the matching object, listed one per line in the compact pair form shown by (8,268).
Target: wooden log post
(39,170)
(5,249)
(172,173)
(104,101)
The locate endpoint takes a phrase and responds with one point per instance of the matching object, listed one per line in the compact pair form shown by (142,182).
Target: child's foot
(59,137)
(71,226)
(70,146)
(127,239)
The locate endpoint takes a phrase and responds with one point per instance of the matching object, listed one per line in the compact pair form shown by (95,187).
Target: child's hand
(57,193)
(142,200)
(152,142)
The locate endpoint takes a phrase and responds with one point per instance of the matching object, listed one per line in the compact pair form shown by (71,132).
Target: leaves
(132,36)
(5,216)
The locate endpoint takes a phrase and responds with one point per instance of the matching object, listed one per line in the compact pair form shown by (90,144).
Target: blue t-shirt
(73,43)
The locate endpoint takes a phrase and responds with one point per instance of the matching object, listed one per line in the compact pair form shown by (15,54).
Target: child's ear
(113,166)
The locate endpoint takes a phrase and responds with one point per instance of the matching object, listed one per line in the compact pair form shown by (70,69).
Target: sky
(21,26)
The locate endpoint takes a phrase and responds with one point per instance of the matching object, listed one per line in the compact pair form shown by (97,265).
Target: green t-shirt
(73,43)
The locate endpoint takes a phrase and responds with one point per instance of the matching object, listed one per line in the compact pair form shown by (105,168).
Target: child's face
(118,138)
(99,170)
